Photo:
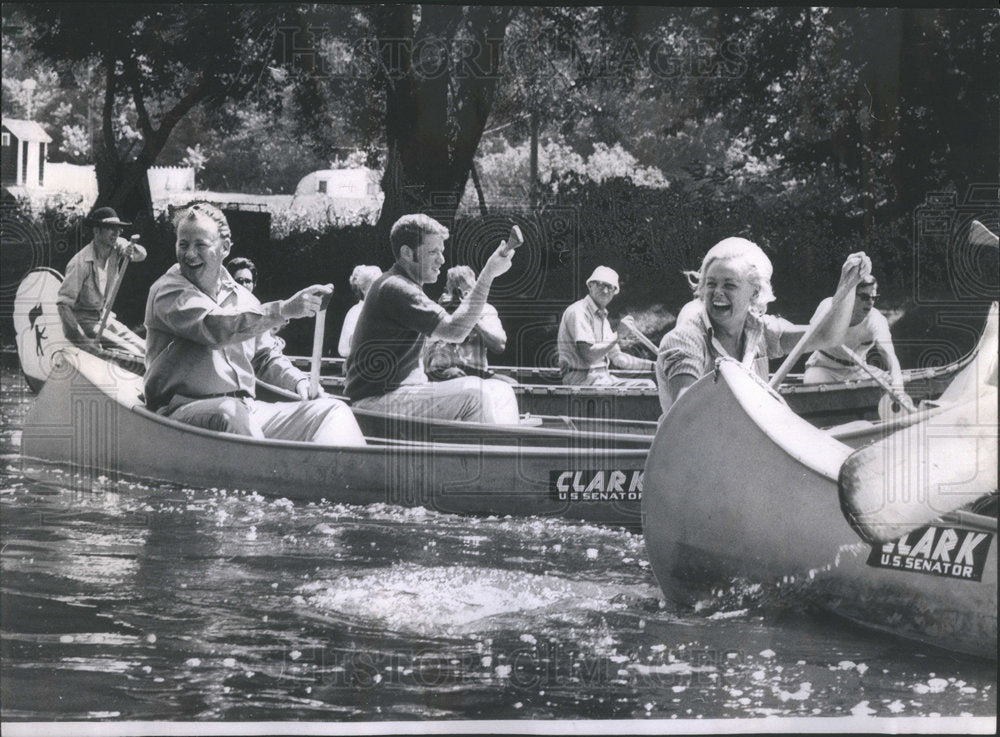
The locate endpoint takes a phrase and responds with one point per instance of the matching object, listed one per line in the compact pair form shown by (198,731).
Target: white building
(24,149)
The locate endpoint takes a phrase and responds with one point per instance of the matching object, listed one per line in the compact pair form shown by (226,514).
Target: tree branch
(132,75)
(108,112)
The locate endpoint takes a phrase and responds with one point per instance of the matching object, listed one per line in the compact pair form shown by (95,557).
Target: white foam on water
(429,601)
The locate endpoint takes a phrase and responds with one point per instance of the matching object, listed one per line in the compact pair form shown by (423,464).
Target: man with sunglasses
(868,329)
(587,345)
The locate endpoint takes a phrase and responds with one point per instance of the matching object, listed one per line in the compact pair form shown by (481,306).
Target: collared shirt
(585,321)
(347,329)
(84,287)
(860,338)
(692,347)
(389,336)
(199,347)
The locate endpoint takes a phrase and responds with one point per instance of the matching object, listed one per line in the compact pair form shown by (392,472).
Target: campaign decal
(936,551)
(614,485)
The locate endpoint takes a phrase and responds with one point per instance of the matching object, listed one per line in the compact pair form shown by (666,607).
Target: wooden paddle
(980,235)
(629,322)
(796,354)
(900,397)
(800,347)
(113,293)
(915,475)
(317,352)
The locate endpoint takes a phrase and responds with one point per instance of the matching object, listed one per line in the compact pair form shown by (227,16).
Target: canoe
(39,329)
(738,488)
(88,416)
(40,338)
(540,393)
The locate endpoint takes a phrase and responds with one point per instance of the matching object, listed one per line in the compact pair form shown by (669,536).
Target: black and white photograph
(492,369)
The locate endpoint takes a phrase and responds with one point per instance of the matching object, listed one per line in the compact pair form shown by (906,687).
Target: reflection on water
(133,602)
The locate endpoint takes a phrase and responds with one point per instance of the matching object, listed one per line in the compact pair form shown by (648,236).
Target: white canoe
(739,487)
(88,416)
(40,338)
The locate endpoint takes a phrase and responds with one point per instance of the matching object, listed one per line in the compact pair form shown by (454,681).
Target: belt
(841,361)
(161,406)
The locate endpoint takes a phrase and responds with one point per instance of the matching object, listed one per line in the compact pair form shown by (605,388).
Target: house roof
(27,130)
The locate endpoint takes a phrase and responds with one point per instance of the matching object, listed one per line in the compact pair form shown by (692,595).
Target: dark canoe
(88,416)
(820,404)
(738,487)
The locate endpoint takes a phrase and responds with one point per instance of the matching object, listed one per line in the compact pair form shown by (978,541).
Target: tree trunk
(479,191)
(434,122)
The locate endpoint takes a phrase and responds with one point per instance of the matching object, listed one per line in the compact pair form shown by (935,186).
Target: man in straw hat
(89,274)
(588,346)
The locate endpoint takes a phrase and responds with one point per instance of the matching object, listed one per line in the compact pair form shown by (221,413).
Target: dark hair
(868,281)
(409,230)
(242,262)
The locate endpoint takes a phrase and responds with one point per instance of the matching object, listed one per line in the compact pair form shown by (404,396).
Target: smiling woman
(728,317)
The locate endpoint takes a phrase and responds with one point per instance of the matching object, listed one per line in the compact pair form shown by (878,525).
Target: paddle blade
(919,473)
(980,235)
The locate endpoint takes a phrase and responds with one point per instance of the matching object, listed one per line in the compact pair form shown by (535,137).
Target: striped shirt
(691,347)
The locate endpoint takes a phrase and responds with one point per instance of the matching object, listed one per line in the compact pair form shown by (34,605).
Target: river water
(125,603)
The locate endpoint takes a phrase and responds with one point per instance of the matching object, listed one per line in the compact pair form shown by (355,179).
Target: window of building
(6,139)
(321,186)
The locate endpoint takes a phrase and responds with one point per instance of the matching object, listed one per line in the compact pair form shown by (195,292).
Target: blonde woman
(728,317)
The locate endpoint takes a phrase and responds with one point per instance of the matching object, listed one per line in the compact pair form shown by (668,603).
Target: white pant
(468,398)
(326,420)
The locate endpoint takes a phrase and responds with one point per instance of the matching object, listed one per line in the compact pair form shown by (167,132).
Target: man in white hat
(89,274)
(588,346)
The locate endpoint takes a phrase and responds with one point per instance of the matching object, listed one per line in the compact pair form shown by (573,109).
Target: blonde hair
(210,212)
(750,259)
(460,278)
(361,279)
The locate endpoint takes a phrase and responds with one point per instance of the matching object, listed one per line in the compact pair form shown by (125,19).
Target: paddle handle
(980,235)
(904,400)
(514,240)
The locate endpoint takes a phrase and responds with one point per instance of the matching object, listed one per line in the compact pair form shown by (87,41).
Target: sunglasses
(603,286)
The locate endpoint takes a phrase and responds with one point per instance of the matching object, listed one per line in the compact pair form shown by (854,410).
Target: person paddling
(210,338)
(868,329)
(588,346)
(87,289)
(727,318)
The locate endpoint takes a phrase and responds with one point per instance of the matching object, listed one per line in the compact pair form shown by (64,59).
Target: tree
(158,63)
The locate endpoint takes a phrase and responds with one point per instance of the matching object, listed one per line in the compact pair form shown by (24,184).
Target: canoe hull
(821,404)
(87,416)
(738,487)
